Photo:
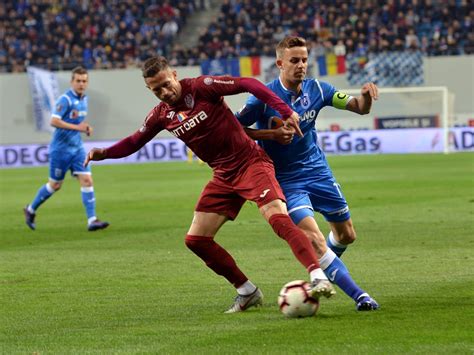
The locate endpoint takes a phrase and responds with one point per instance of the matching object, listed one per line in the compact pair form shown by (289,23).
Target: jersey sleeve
(251,111)
(334,97)
(61,107)
(213,88)
(227,85)
(152,125)
(327,92)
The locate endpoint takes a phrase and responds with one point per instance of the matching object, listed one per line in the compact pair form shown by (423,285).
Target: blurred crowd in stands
(60,35)
(120,34)
(252,27)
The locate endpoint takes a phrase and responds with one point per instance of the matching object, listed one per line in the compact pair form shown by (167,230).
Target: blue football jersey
(71,109)
(303,155)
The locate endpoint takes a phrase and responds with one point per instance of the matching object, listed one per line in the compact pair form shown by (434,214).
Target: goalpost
(407,107)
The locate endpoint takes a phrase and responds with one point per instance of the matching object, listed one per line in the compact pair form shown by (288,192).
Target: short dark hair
(289,42)
(79,71)
(153,66)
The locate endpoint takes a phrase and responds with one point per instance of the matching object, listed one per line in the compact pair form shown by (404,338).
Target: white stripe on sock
(335,242)
(327,259)
(87,188)
(50,188)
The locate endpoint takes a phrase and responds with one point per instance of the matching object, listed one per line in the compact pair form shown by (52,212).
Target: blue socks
(335,246)
(42,195)
(338,274)
(88,200)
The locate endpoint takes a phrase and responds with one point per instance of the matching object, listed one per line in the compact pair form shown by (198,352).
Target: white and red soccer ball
(295,300)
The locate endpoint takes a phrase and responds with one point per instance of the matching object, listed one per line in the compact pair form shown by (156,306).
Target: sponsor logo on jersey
(189,101)
(227,82)
(189,124)
(309,116)
(208,81)
(76,114)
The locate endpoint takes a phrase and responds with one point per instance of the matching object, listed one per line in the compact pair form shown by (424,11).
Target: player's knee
(55,185)
(348,236)
(87,182)
(196,243)
(317,240)
(273,208)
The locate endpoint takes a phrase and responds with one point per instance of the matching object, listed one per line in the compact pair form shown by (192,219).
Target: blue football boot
(96,225)
(366,303)
(29,218)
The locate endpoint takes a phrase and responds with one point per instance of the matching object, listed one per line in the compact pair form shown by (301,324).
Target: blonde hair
(289,42)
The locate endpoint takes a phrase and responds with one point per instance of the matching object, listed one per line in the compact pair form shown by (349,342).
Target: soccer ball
(295,300)
(275,122)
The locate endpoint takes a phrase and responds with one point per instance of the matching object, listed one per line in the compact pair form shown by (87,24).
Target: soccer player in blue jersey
(300,165)
(66,151)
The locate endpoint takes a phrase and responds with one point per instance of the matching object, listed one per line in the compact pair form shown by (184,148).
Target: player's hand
(95,154)
(284,134)
(294,122)
(89,130)
(371,90)
(85,128)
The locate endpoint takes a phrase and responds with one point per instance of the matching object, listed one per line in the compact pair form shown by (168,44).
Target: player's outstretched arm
(363,103)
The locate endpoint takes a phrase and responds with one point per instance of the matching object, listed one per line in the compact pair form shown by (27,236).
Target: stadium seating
(120,34)
(253,27)
(95,33)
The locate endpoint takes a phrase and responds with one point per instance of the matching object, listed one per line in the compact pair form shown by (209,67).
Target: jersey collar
(76,95)
(290,93)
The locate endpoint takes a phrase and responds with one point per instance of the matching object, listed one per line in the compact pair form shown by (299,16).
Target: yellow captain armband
(340,100)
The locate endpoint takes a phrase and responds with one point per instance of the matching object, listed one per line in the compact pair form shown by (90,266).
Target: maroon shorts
(226,196)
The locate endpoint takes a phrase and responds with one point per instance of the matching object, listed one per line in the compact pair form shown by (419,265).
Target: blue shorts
(321,195)
(60,163)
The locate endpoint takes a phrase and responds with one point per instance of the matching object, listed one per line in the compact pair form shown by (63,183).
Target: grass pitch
(135,288)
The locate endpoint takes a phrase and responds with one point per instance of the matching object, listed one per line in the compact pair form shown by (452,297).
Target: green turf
(135,288)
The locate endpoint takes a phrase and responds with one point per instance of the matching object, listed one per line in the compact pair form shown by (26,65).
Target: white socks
(246,288)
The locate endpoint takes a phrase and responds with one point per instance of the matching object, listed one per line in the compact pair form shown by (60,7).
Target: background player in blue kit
(66,151)
(300,165)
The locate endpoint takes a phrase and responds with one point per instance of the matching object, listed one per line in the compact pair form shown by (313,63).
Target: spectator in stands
(34,33)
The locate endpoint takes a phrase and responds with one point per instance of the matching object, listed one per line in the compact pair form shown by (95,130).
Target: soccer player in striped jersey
(66,151)
(300,165)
